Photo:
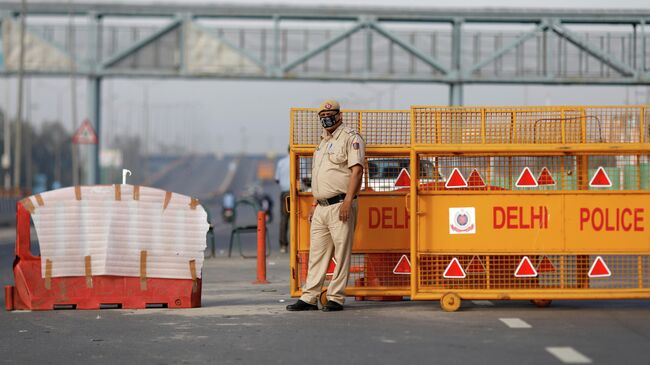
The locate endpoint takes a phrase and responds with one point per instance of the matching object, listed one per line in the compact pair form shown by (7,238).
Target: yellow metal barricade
(534,203)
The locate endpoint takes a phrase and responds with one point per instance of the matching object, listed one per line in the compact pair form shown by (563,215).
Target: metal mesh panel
(304,173)
(380,173)
(614,125)
(386,127)
(378,128)
(383,174)
(531,125)
(371,270)
(497,173)
(307,128)
(553,272)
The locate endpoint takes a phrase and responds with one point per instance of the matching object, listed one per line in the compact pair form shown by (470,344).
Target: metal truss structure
(365,44)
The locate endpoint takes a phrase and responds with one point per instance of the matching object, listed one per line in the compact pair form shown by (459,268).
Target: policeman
(336,179)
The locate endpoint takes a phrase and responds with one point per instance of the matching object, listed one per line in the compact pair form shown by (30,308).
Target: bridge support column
(456,94)
(90,153)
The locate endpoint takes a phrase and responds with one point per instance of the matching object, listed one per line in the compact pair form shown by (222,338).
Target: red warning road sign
(456,180)
(454,270)
(331,267)
(545,265)
(475,266)
(403,179)
(85,134)
(545,178)
(600,179)
(526,179)
(475,180)
(403,266)
(525,269)
(599,269)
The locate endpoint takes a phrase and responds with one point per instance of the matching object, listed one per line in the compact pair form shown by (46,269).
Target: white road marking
(515,323)
(485,303)
(237,324)
(568,355)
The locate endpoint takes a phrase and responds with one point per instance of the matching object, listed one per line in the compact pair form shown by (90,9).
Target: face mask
(329,121)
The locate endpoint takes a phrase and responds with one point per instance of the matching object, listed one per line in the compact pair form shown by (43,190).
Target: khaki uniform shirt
(333,158)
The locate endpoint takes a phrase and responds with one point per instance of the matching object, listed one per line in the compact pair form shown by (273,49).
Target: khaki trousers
(329,235)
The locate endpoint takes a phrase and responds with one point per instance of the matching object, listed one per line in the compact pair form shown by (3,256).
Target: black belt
(333,200)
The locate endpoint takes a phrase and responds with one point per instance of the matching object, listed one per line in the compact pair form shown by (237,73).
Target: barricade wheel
(323,297)
(541,303)
(450,302)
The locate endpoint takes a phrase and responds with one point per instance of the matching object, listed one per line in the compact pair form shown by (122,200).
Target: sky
(224,116)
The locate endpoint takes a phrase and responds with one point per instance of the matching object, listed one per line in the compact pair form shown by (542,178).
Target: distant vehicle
(266,205)
(266,171)
(228,207)
(383,172)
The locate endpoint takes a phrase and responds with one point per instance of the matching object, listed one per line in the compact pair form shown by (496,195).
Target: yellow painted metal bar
(483,132)
(639,264)
(638,171)
(557,149)
(293,223)
(360,122)
(413,217)
(535,192)
(438,124)
(513,127)
(562,267)
(583,126)
(383,291)
(521,294)
(562,127)
(370,151)
(487,272)
(642,125)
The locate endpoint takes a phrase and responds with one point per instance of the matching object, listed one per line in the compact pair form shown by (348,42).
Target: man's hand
(311,212)
(353,189)
(344,212)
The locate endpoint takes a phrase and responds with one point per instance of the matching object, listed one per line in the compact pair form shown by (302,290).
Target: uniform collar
(335,135)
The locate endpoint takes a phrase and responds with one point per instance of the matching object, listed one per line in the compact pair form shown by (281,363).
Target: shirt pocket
(337,155)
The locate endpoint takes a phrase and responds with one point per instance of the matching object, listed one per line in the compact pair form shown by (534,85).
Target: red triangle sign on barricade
(545,265)
(475,180)
(599,269)
(475,266)
(403,266)
(545,178)
(525,269)
(456,180)
(600,179)
(85,134)
(526,179)
(454,270)
(403,179)
(331,267)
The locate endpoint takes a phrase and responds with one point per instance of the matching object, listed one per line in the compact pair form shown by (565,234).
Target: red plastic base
(30,293)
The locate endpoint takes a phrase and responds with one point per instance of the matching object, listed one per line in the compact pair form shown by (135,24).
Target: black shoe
(301,306)
(332,306)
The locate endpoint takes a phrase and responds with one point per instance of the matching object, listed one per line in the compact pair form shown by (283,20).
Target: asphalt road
(242,323)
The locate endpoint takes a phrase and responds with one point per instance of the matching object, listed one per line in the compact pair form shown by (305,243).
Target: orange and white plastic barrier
(123,245)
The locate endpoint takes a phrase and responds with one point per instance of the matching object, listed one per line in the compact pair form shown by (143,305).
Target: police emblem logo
(462,220)
(355,145)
